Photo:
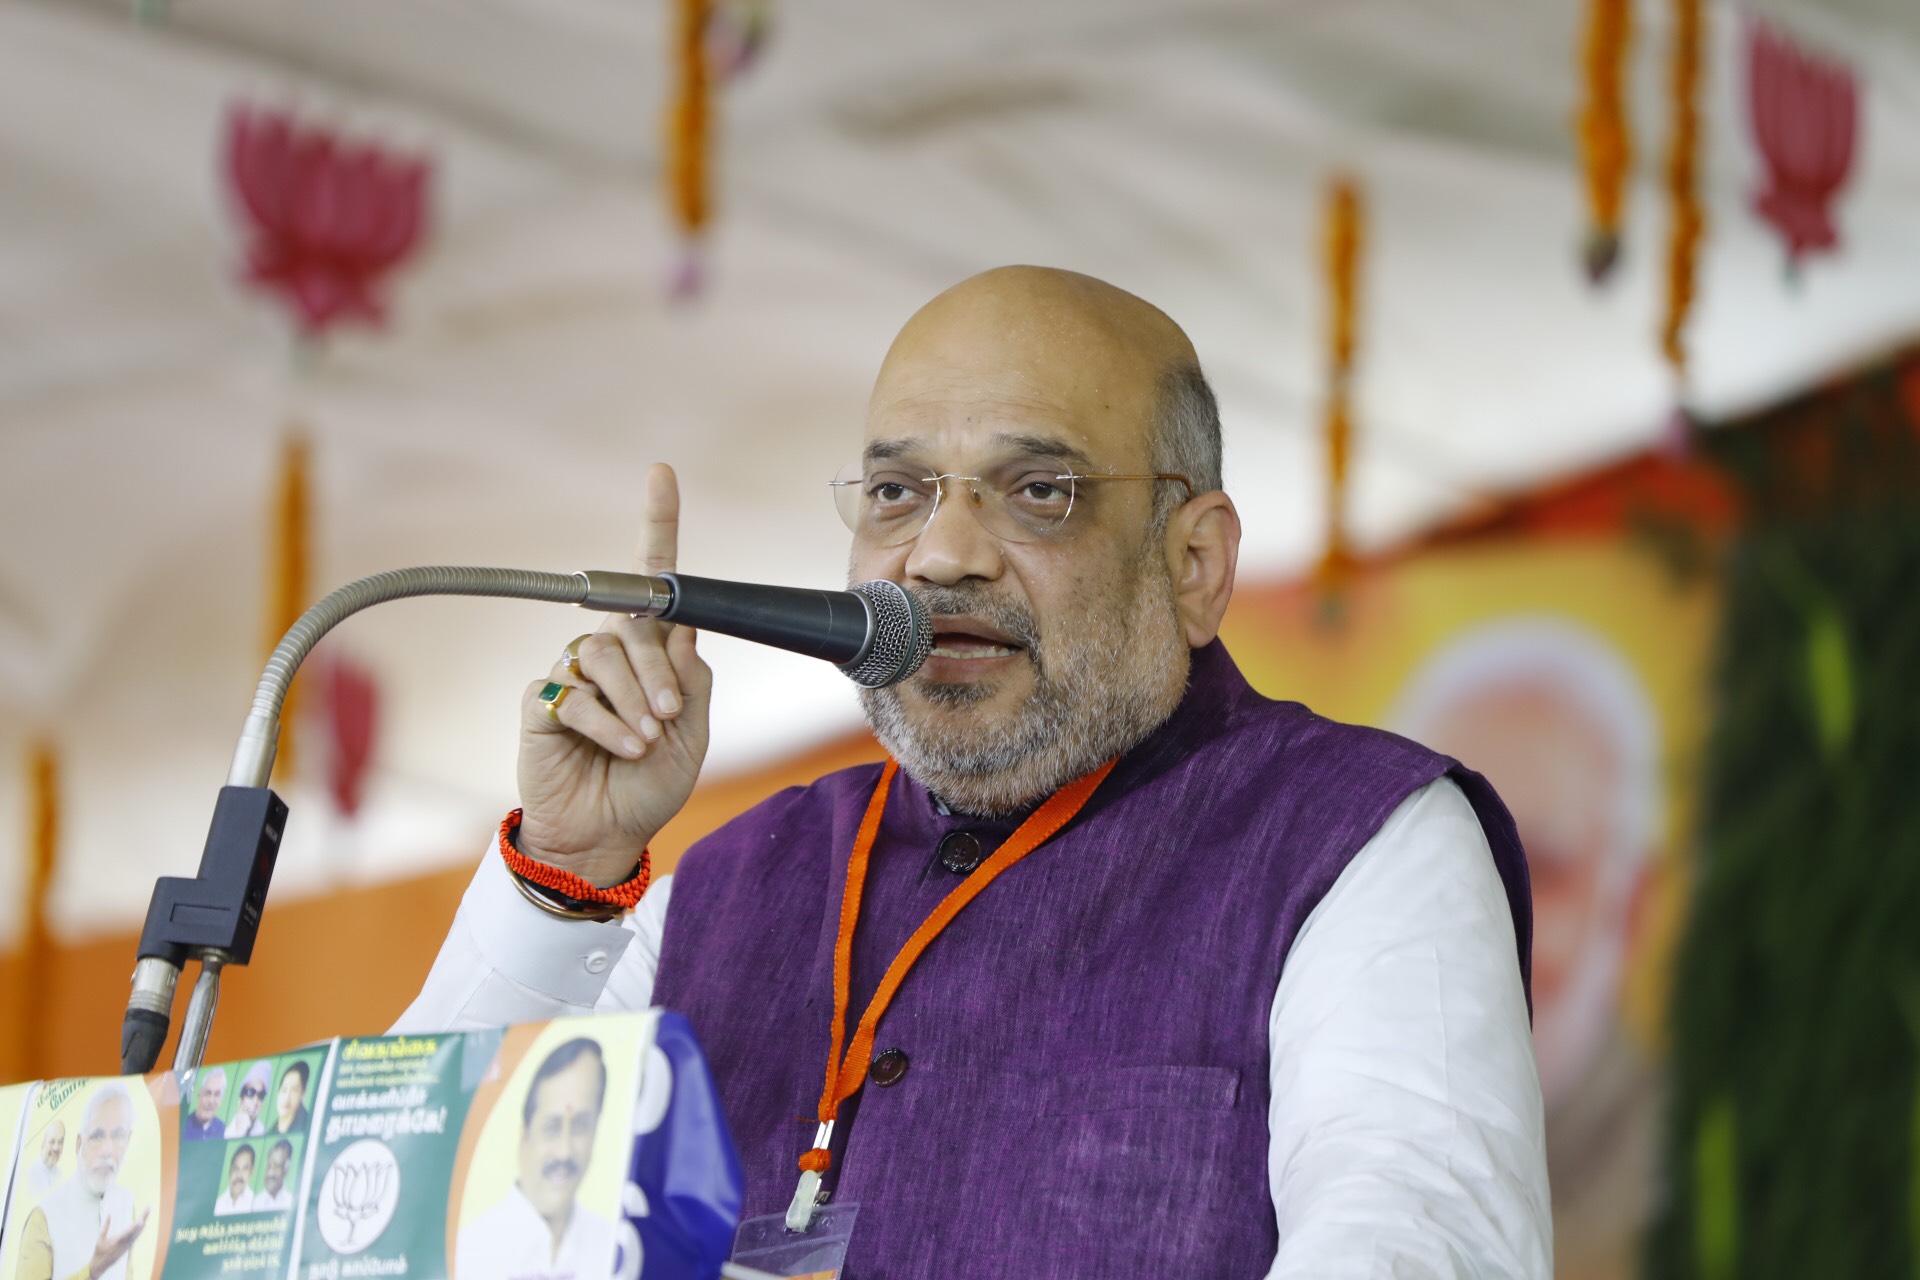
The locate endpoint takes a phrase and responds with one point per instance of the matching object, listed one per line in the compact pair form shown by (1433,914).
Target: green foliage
(1794,1132)
(1913,1191)
(1829,666)
(1716,1223)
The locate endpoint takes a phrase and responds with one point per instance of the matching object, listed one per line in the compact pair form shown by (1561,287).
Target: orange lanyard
(845,1074)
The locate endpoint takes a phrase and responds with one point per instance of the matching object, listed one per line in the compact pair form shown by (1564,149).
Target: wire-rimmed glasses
(887,502)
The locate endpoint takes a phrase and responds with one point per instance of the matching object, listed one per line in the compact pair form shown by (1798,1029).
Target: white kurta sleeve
(1407,1134)
(505,960)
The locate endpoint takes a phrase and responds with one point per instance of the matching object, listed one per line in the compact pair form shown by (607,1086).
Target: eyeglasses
(253,1091)
(889,503)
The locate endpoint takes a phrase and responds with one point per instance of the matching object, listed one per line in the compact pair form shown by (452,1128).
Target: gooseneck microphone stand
(875,632)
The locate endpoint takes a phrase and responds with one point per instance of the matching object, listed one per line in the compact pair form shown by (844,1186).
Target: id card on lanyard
(766,1247)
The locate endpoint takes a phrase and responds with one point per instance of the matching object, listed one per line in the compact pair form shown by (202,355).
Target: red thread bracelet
(623,895)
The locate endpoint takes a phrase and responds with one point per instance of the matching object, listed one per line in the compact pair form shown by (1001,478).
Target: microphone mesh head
(901,639)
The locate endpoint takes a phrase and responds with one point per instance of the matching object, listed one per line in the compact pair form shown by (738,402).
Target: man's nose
(954,545)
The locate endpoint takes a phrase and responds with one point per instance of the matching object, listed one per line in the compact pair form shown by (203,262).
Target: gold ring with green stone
(552,696)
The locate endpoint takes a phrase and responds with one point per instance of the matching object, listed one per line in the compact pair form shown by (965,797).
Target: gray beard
(1113,678)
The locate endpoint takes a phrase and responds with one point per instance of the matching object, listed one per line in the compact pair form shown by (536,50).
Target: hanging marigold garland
(1686,222)
(1606,145)
(35,974)
(1341,246)
(689,140)
(287,567)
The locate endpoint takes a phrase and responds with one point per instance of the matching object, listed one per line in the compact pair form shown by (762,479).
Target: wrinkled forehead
(963,421)
(985,453)
(956,384)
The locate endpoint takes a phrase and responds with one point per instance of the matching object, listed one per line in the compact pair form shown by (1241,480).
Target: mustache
(561,1168)
(1010,616)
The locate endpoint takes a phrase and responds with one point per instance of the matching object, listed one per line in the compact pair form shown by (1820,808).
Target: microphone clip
(213,917)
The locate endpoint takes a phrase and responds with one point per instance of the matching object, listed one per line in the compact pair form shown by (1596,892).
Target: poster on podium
(92,1178)
(244,1129)
(13,1102)
(575,1149)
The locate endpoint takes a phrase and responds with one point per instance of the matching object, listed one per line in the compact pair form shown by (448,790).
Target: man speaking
(1116,967)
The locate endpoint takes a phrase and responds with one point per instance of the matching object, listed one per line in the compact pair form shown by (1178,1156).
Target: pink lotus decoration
(1803,114)
(328,219)
(350,700)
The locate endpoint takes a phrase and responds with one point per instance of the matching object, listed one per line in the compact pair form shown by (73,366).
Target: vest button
(889,1068)
(960,852)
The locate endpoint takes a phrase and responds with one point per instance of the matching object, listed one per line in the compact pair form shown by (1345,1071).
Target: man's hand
(597,786)
(110,1248)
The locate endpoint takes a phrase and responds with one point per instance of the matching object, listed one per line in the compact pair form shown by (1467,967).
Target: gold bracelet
(553,908)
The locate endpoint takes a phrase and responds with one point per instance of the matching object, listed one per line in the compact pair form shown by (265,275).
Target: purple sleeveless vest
(1085,1089)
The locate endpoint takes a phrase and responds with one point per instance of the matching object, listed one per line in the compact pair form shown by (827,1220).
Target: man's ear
(1203,548)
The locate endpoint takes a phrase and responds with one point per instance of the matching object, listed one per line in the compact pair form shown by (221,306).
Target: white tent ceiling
(881,150)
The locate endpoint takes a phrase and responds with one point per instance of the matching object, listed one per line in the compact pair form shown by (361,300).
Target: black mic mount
(876,633)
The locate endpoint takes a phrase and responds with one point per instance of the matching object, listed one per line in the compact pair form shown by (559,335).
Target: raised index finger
(660,539)
(659,547)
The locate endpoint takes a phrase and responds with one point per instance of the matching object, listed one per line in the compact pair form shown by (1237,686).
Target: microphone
(876,633)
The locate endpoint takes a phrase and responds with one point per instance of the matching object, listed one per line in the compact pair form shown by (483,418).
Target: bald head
(1049,320)
(1018,343)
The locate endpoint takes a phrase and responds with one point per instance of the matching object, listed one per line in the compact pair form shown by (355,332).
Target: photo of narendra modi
(541,1192)
(87,1184)
(1559,720)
